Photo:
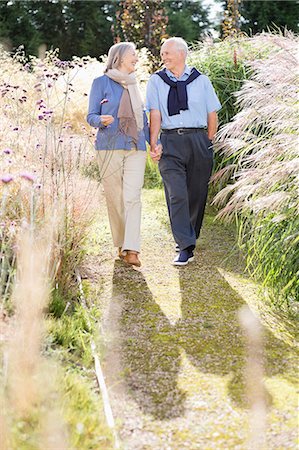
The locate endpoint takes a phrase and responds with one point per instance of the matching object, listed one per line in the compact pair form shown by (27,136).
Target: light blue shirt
(104,98)
(202,100)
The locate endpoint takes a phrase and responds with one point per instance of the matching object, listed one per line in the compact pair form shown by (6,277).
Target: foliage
(231,19)
(75,27)
(80,408)
(152,177)
(187,18)
(224,63)
(73,331)
(261,144)
(262,15)
(143,23)
(16,27)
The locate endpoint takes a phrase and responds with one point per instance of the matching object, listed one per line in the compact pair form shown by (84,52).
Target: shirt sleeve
(212,101)
(152,98)
(94,109)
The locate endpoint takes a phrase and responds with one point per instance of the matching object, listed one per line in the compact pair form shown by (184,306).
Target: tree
(231,19)
(144,23)
(261,15)
(16,27)
(75,27)
(187,19)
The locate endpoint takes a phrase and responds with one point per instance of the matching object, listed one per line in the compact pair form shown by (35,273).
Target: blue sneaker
(183,258)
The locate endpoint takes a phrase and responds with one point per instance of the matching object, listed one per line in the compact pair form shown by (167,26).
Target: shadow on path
(150,354)
(208,331)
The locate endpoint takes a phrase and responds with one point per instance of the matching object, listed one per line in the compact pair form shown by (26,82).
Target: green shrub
(72,332)
(152,177)
(273,256)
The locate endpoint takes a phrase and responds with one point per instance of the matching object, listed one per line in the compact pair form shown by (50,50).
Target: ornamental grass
(226,63)
(261,147)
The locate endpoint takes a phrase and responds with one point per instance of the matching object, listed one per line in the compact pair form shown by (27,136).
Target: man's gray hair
(179,42)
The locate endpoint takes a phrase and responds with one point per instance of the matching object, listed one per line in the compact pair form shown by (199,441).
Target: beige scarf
(130,111)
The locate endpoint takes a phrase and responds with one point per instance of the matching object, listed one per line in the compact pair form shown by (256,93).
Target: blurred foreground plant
(28,379)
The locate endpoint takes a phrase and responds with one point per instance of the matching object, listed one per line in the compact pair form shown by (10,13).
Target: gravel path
(173,351)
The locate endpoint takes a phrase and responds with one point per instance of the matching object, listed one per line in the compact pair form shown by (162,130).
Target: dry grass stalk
(30,296)
(3,427)
(31,381)
(54,435)
(254,379)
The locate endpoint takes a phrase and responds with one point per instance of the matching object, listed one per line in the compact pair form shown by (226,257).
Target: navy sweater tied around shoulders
(177,97)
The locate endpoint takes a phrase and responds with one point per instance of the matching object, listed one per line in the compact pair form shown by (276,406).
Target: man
(183,103)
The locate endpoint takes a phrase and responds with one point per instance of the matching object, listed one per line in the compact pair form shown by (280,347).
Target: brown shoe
(121,255)
(132,259)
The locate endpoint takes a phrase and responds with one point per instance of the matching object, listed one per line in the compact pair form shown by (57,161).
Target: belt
(183,130)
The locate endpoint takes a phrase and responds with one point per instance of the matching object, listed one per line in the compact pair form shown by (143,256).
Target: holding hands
(156,152)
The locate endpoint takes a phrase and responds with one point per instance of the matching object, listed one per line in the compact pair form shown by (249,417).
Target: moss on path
(172,346)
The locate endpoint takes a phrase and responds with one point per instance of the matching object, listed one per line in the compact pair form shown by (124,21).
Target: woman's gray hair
(116,53)
(179,42)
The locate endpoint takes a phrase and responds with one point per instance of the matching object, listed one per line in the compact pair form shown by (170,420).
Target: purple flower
(15,129)
(27,176)
(40,117)
(6,178)
(7,151)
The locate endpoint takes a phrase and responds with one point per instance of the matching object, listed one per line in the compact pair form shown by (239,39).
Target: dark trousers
(185,166)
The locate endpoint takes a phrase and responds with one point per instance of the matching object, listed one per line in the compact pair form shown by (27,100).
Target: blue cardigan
(110,137)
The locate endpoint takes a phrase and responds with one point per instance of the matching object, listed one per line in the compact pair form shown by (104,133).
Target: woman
(116,109)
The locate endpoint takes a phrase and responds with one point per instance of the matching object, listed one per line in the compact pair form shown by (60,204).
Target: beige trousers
(122,177)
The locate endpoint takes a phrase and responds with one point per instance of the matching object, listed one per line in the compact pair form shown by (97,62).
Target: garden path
(173,350)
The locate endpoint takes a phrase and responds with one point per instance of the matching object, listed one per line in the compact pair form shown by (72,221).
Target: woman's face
(129,61)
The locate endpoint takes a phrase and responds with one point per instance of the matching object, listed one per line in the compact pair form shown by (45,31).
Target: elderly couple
(183,121)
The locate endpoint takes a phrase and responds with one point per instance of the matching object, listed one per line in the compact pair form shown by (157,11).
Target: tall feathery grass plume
(29,379)
(261,143)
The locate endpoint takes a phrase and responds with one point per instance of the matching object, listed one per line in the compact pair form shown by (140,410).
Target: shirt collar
(184,76)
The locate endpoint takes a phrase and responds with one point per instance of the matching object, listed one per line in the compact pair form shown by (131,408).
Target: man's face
(171,57)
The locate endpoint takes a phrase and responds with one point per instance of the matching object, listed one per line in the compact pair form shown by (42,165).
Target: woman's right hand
(106,119)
